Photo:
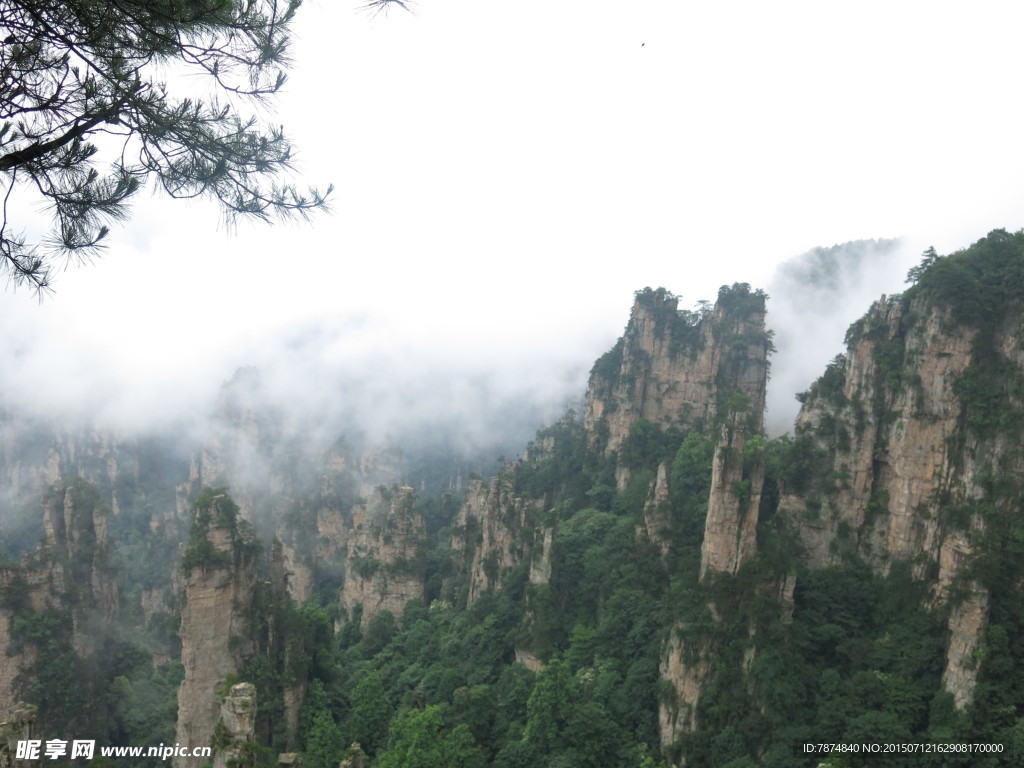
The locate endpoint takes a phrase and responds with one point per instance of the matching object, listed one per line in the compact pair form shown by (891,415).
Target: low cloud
(814,297)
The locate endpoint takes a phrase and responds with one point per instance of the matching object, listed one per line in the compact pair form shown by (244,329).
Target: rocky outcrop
(655,371)
(354,757)
(704,371)
(75,521)
(219,565)
(539,575)
(294,478)
(313,541)
(496,530)
(686,669)
(492,532)
(967,624)
(70,573)
(35,455)
(673,367)
(236,726)
(886,419)
(16,660)
(657,515)
(18,725)
(384,566)
(903,435)
(737,478)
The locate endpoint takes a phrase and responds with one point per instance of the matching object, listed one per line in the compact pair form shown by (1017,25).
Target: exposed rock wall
(967,624)
(890,425)
(69,571)
(76,543)
(215,632)
(35,455)
(384,567)
(17,658)
(686,669)
(496,530)
(890,420)
(675,367)
(18,725)
(490,530)
(737,478)
(657,515)
(661,370)
(237,724)
(737,472)
(713,379)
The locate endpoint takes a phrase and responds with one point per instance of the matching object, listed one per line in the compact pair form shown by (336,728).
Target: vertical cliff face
(885,429)
(496,530)
(384,566)
(216,636)
(35,455)
(628,540)
(909,444)
(967,624)
(730,531)
(294,479)
(661,370)
(75,521)
(673,373)
(730,534)
(69,578)
(492,532)
(97,484)
(685,667)
(657,512)
(677,368)
(17,658)
(737,473)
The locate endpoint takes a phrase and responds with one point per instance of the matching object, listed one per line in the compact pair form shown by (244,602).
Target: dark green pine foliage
(73,72)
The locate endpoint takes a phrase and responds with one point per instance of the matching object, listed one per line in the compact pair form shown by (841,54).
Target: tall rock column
(736,346)
(662,370)
(219,565)
(737,473)
(676,367)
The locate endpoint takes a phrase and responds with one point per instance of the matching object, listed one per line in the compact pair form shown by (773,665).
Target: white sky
(507,174)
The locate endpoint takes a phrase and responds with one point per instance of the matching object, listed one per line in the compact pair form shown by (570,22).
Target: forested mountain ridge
(653,582)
